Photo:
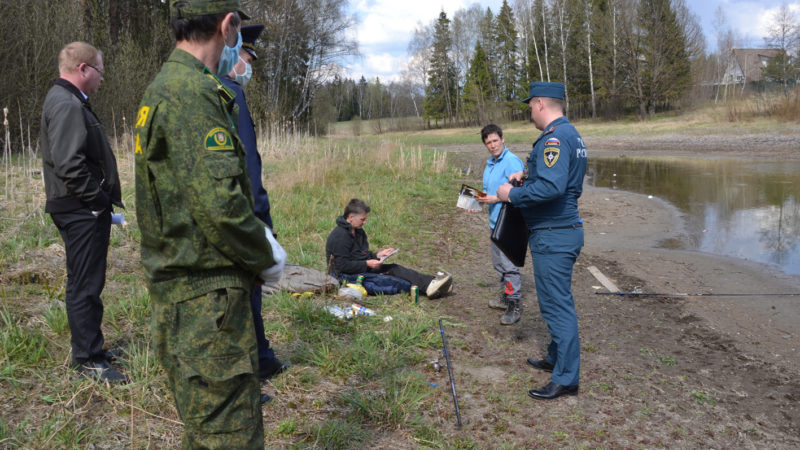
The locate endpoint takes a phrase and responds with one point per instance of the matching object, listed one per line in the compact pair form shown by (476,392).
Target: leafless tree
(783,31)
(526,16)
(420,48)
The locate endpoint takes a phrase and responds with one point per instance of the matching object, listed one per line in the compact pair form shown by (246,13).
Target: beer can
(415,294)
(360,280)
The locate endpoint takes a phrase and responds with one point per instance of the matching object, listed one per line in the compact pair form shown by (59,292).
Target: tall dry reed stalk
(7,148)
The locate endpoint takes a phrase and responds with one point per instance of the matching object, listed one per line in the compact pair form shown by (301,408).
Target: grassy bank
(741,116)
(352,382)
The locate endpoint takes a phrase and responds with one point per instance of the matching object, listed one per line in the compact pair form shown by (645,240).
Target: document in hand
(467,198)
(390,254)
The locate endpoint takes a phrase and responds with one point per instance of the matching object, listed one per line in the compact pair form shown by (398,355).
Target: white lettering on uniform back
(580,151)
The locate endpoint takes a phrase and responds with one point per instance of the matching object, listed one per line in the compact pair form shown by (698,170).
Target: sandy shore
(664,352)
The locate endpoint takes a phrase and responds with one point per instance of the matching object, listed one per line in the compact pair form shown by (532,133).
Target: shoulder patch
(550,142)
(141,121)
(218,139)
(551,156)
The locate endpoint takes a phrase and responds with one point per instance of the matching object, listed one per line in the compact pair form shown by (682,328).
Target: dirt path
(656,371)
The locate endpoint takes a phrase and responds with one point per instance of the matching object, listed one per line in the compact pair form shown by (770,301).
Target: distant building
(746,65)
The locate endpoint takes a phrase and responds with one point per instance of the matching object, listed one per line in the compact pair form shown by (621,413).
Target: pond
(741,208)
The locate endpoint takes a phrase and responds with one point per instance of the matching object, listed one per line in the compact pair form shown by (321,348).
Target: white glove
(273,273)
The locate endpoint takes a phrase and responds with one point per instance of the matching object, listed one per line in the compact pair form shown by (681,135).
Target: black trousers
(86,240)
(410,275)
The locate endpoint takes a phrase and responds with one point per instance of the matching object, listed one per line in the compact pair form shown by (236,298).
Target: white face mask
(243,78)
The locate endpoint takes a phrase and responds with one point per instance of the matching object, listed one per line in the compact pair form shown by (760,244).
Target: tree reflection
(746,209)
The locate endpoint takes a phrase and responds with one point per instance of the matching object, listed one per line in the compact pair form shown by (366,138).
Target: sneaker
(450,287)
(102,371)
(513,312)
(439,285)
(500,302)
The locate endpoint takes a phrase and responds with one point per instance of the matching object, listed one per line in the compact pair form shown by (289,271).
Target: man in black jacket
(348,254)
(82,184)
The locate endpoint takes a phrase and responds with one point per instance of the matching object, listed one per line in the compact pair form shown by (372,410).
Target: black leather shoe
(265,398)
(275,367)
(112,354)
(553,390)
(541,364)
(102,372)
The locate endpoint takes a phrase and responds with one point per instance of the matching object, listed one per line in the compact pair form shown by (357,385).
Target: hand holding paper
(386,254)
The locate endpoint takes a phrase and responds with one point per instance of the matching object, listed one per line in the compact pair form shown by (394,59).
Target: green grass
(368,369)
(352,383)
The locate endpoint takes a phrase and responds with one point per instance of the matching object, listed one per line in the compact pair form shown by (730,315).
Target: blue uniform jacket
(247,134)
(495,175)
(556,166)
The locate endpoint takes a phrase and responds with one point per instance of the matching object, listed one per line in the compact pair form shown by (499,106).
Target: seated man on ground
(348,255)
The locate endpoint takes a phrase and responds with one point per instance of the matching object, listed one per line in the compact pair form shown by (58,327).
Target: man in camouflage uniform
(202,246)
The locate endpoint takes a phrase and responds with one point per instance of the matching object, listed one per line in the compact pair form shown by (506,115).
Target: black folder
(510,234)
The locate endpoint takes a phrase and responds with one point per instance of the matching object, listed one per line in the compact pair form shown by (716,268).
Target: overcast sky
(385,27)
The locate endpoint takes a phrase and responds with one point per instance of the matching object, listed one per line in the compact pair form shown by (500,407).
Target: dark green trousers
(207,346)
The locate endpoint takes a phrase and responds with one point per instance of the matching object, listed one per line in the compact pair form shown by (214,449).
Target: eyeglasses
(101,72)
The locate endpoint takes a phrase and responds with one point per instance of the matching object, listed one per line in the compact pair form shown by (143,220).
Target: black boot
(500,302)
(513,311)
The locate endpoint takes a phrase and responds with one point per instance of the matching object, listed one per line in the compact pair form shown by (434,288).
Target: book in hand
(390,254)
(467,198)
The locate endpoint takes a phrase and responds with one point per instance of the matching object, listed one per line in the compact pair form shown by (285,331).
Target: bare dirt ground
(657,371)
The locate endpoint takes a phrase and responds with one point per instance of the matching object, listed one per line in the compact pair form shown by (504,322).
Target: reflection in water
(744,209)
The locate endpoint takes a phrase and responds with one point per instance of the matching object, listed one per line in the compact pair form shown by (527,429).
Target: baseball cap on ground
(189,9)
(545,89)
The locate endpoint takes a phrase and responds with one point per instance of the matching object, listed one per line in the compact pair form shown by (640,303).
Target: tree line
(614,56)
(298,51)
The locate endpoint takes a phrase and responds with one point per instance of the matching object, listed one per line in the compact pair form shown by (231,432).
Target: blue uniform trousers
(554,254)
(265,353)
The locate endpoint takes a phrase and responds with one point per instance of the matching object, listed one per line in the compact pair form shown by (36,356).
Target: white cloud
(384,65)
(386,26)
(753,19)
(392,21)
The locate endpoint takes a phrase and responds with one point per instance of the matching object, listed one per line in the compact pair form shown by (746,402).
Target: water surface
(740,208)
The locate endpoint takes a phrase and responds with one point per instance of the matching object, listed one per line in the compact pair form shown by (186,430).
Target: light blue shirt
(495,175)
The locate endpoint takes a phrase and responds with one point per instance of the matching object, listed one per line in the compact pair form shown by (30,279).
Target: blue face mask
(229,57)
(244,78)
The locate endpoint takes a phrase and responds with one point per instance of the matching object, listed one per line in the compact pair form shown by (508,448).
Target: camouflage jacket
(193,201)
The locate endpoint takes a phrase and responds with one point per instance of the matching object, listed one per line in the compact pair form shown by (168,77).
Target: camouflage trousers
(207,346)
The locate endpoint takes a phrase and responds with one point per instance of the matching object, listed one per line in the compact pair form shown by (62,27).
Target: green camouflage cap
(189,9)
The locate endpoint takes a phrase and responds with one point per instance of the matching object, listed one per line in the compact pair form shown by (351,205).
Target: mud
(657,371)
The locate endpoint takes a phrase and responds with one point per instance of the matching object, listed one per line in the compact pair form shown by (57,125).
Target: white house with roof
(746,65)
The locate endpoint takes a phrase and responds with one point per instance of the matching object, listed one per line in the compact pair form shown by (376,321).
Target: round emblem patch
(218,139)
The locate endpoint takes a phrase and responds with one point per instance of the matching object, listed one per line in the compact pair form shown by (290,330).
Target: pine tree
(507,68)
(667,72)
(441,90)
(477,88)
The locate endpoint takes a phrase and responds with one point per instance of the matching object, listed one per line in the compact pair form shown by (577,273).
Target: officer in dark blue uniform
(268,364)
(548,200)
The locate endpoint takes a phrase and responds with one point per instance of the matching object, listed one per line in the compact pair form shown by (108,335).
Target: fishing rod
(450,371)
(683,294)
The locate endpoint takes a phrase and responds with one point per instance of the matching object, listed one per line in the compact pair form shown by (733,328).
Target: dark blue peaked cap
(249,35)
(545,89)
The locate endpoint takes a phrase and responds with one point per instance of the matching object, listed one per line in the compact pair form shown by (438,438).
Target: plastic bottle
(340,313)
(361,310)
